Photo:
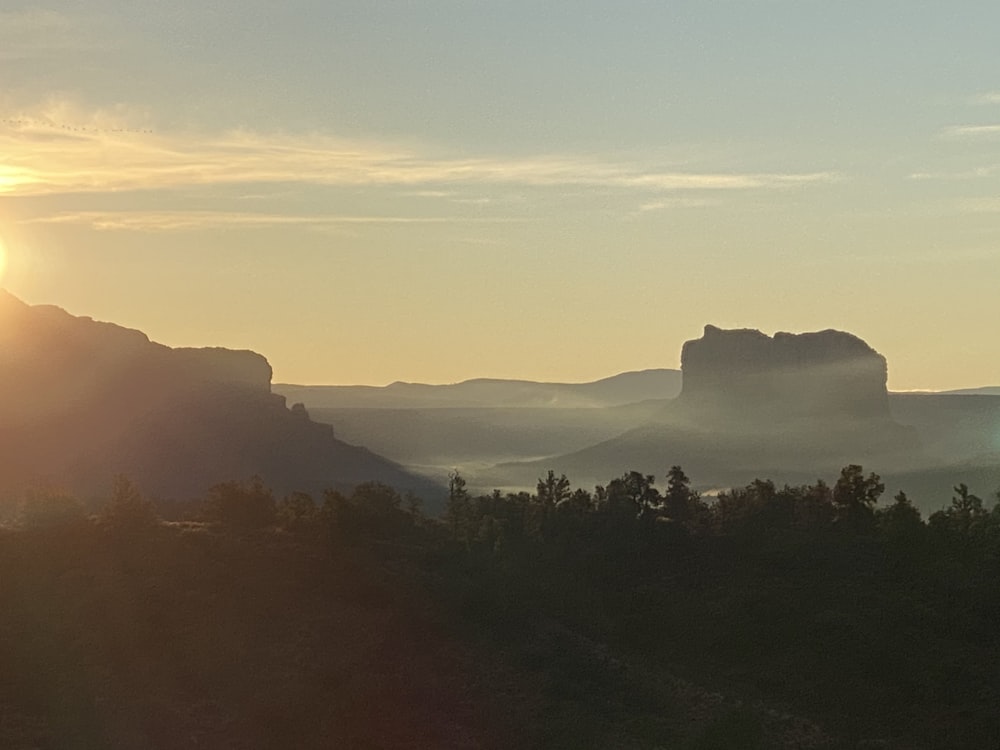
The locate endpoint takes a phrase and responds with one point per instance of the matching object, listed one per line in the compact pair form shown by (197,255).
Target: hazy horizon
(437,191)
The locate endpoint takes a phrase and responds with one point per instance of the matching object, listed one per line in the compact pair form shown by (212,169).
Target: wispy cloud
(976,173)
(60,151)
(670,203)
(159,221)
(971,131)
(429,193)
(989,97)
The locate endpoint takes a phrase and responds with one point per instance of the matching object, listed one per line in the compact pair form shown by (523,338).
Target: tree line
(854,609)
(559,513)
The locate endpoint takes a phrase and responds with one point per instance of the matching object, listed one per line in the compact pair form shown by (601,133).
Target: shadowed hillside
(440,439)
(953,428)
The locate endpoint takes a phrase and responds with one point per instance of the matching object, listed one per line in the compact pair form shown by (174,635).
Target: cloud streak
(160,221)
(971,131)
(60,152)
(976,173)
(989,97)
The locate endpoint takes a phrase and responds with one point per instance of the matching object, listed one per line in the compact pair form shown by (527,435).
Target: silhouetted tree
(964,517)
(127,510)
(297,511)
(754,509)
(376,498)
(899,517)
(813,507)
(242,504)
(553,490)
(633,493)
(459,511)
(680,502)
(854,495)
(902,527)
(578,502)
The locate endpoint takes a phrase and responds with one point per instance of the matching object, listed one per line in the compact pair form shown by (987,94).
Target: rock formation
(791,407)
(737,375)
(82,400)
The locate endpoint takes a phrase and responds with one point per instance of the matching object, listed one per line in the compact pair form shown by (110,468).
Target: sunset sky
(437,190)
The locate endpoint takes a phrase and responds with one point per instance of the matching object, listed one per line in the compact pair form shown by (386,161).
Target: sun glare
(12,178)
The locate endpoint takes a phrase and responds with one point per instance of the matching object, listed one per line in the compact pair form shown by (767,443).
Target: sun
(9,180)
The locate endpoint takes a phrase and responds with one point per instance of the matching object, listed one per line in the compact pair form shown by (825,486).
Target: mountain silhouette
(82,400)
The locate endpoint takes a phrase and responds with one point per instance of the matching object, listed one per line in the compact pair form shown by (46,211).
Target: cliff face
(82,400)
(739,375)
(53,360)
(238,368)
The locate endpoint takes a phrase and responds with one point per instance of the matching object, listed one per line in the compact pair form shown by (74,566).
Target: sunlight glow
(3,260)
(11,179)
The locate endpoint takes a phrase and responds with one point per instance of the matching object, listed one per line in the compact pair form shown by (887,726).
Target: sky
(435,190)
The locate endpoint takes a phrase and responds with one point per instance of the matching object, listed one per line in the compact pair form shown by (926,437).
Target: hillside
(437,440)
(952,428)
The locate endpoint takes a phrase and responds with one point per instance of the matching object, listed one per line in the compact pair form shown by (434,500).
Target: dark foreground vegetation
(789,617)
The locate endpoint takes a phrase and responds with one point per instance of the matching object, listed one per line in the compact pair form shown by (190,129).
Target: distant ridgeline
(491,393)
(82,400)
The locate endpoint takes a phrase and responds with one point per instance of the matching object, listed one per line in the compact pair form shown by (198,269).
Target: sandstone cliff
(82,400)
(737,375)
